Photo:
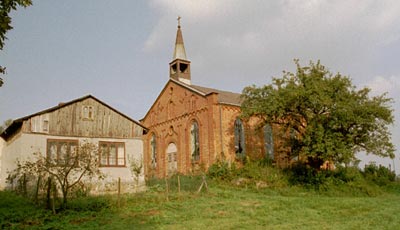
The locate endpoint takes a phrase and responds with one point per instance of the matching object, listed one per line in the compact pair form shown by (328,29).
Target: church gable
(175,101)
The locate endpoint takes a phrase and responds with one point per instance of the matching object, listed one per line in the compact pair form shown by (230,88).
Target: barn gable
(82,117)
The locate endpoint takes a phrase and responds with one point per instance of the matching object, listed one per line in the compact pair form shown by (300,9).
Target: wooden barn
(59,129)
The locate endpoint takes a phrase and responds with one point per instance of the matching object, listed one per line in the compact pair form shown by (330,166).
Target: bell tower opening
(180,66)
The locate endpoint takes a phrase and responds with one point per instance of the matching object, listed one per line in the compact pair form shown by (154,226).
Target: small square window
(88,112)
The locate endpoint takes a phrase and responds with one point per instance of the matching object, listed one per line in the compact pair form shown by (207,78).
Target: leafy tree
(322,116)
(136,166)
(5,22)
(5,125)
(68,170)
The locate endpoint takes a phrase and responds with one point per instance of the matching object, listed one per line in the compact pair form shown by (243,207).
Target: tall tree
(322,115)
(6,6)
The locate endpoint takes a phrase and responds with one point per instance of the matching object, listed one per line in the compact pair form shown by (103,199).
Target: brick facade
(170,119)
(171,137)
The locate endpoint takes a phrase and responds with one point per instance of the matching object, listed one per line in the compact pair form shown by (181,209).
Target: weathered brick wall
(170,119)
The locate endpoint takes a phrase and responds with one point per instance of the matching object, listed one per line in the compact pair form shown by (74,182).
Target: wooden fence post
(179,184)
(166,188)
(24,186)
(119,192)
(203,183)
(37,190)
(48,195)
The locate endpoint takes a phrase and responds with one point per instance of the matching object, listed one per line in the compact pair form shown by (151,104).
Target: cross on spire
(179,21)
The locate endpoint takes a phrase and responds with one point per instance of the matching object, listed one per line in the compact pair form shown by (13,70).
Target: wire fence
(178,183)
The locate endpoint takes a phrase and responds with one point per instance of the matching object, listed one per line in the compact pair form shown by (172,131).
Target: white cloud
(380,85)
(250,41)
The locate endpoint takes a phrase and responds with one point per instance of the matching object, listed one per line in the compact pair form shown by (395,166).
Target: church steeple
(179,68)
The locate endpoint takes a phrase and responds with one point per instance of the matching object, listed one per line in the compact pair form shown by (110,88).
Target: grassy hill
(227,205)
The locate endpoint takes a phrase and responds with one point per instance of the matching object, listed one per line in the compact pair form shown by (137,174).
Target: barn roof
(16,124)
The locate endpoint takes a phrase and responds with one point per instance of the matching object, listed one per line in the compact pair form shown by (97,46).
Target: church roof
(224,97)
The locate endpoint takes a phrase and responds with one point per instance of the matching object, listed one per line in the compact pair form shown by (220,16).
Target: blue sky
(119,51)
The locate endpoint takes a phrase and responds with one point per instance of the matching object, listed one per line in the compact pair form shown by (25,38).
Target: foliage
(184,183)
(256,174)
(67,174)
(226,207)
(90,203)
(5,125)
(136,166)
(5,19)
(16,211)
(379,174)
(6,6)
(321,116)
(221,170)
(343,180)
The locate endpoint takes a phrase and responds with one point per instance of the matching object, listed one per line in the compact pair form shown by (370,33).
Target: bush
(347,174)
(379,175)
(220,170)
(253,174)
(302,174)
(90,203)
(17,212)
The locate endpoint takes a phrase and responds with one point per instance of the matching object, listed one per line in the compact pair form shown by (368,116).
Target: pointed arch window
(268,142)
(153,150)
(194,141)
(239,138)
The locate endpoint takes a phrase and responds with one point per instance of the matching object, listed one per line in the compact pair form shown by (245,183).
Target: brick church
(191,127)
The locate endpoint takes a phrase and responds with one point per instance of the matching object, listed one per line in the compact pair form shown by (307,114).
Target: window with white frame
(40,123)
(112,154)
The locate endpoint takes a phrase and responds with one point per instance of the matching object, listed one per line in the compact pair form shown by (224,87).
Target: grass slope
(223,207)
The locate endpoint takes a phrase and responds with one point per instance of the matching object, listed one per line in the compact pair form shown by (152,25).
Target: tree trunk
(37,190)
(48,195)
(65,194)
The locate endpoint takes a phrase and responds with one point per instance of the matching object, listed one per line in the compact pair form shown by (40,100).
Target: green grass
(223,207)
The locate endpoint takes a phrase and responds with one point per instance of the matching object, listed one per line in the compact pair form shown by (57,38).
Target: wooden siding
(71,120)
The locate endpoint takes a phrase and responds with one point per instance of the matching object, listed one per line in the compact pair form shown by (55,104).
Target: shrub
(379,174)
(220,170)
(90,203)
(302,174)
(347,174)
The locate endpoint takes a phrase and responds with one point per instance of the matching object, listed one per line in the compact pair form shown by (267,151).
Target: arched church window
(153,150)
(194,141)
(239,138)
(268,142)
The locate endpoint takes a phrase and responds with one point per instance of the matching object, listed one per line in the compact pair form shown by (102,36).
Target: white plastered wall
(23,147)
